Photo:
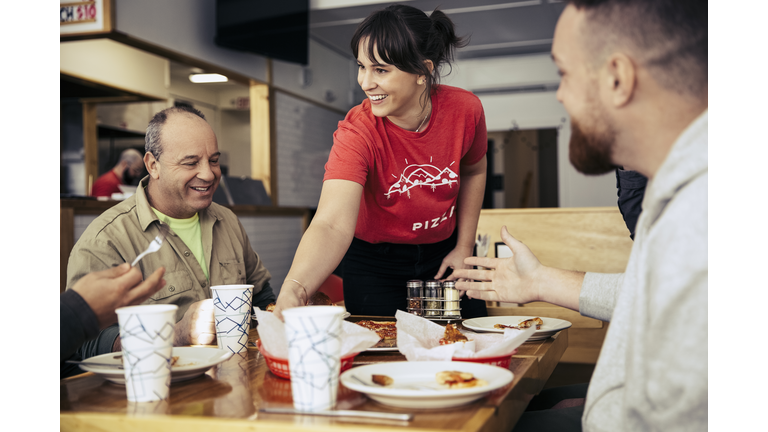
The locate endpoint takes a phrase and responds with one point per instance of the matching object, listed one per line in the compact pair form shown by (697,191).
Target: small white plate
(549,328)
(422,373)
(192,362)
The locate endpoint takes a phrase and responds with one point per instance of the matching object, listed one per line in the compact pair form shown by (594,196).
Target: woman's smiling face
(393,93)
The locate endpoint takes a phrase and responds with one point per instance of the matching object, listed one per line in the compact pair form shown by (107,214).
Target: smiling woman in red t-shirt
(405,178)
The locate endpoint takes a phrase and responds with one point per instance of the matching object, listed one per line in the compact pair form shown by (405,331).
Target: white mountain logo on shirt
(423,175)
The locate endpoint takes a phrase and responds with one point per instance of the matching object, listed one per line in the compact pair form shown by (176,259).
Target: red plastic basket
(500,361)
(280,368)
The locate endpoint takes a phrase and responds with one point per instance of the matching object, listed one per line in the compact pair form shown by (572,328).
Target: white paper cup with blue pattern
(146,334)
(232,311)
(314,355)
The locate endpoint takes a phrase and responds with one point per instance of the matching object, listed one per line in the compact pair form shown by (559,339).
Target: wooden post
(90,145)
(261,133)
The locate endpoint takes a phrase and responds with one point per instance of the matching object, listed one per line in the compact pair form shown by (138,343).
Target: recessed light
(207,78)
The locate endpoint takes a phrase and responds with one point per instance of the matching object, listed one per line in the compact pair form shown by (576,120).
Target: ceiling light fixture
(207,78)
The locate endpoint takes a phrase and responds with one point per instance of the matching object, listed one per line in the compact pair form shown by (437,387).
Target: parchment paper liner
(418,339)
(354,338)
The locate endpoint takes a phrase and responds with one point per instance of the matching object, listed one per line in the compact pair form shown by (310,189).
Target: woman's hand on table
(455,261)
(291,295)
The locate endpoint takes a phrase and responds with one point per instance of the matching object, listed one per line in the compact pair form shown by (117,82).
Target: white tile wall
(304,141)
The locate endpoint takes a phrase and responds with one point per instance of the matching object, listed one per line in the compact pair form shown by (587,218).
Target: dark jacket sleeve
(78,324)
(630,187)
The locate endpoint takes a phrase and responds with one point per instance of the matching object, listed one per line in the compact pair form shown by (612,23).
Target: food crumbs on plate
(382,380)
(457,379)
(174,359)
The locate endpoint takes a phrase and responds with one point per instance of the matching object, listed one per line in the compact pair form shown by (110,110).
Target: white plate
(192,362)
(549,328)
(423,373)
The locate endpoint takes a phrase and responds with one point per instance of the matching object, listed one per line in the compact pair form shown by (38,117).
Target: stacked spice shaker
(433,299)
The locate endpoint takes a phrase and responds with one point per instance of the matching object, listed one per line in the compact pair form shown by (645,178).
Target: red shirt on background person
(128,167)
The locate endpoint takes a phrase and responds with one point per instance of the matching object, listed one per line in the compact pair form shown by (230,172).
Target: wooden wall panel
(587,239)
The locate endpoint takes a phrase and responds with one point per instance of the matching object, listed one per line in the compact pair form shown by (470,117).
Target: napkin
(354,338)
(418,339)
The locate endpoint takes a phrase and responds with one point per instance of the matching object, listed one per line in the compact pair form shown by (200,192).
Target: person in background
(128,168)
(630,188)
(207,246)
(634,82)
(404,182)
(91,303)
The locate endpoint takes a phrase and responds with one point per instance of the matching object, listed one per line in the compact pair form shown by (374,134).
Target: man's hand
(107,290)
(198,326)
(454,260)
(513,279)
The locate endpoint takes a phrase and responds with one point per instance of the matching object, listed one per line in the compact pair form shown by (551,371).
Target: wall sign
(85,17)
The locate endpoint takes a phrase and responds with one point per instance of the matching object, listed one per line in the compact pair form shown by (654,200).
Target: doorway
(523,172)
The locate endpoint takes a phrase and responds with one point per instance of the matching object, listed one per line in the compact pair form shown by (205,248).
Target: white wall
(186,27)
(304,141)
(499,82)
(114,64)
(329,77)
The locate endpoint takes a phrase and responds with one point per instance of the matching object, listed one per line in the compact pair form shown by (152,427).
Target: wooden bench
(587,239)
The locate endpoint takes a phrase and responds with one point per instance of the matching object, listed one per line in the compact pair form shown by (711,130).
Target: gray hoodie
(652,370)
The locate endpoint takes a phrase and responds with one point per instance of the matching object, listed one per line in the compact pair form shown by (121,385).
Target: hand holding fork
(154,246)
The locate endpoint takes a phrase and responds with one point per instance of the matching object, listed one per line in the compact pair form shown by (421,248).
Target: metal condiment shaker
(433,298)
(415,293)
(452,298)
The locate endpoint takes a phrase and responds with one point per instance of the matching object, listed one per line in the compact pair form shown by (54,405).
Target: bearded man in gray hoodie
(634,82)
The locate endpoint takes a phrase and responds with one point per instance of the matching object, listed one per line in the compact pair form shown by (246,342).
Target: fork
(154,246)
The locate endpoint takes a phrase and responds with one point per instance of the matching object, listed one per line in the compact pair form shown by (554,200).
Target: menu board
(85,17)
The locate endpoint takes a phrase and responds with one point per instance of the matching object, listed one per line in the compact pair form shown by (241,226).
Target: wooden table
(229,395)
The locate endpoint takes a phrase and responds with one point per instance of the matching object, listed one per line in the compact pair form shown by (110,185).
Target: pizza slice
(387,330)
(523,324)
(452,335)
(457,380)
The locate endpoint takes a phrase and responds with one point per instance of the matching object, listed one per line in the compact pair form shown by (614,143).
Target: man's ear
(620,79)
(152,165)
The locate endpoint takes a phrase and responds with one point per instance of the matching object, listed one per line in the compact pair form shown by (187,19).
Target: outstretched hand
(512,279)
(115,287)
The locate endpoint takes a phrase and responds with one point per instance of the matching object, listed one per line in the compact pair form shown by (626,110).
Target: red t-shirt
(410,180)
(106,185)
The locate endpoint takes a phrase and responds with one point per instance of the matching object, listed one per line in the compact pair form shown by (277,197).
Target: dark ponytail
(406,38)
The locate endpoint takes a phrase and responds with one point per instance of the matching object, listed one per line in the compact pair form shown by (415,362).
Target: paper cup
(232,310)
(146,334)
(314,355)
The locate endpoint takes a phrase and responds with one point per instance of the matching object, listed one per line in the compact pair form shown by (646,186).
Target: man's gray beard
(590,154)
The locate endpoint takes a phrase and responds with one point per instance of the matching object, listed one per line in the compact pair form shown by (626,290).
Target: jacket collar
(146,216)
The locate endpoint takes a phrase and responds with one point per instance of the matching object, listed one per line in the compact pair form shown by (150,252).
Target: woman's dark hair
(406,38)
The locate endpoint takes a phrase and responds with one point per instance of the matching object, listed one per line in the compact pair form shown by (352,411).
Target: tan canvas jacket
(124,231)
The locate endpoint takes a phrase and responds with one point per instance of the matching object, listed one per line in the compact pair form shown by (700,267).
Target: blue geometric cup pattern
(232,311)
(146,335)
(314,348)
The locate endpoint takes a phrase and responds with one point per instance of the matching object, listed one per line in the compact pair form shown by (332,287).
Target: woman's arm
(324,243)
(468,212)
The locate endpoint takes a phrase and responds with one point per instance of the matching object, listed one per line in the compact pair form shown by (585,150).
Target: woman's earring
(421,82)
